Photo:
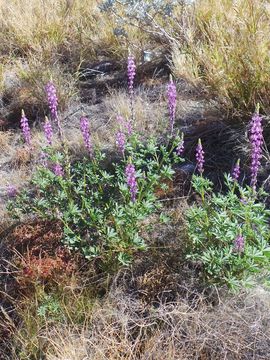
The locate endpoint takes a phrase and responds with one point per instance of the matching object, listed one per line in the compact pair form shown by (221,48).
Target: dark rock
(90,71)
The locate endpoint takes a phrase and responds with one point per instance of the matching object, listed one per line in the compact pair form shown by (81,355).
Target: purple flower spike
(58,170)
(25,129)
(48,131)
(85,129)
(120,120)
(121,141)
(129,127)
(256,139)
(130,173)
(239,244)
(236,171)
(12,191)
(171,94)
(43,159)
(52,99)
(200,157)
(125,124)
(53,106)
(180,148)
(131,72)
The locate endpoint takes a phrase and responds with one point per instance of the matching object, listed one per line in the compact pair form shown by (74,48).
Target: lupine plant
(131,73)
(229,232)
(25,129)
(101,206)
(53,106)
(48,131)
(236,171)
(171,94)
(200,157)
(256,140)
(85,129)
(228,236)
(181,147)
(11,191)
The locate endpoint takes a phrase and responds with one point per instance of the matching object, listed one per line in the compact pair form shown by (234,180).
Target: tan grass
(122,328)
(225,46)
(50,26)
(5,141)
(47,39)
(150,117)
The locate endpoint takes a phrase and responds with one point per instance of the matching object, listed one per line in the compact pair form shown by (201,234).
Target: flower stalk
(131,73)
(171,94)
(256,140)
(25,129)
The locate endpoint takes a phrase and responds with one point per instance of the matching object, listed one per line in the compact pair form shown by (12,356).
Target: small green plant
(101,206)
(50,308)
(228,233)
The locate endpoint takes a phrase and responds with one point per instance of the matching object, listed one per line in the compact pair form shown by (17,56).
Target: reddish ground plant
(38,255)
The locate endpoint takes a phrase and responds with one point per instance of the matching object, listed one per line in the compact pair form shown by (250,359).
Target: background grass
(226,50)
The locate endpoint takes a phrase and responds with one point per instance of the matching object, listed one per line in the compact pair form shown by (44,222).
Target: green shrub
(215,228)
(93,200)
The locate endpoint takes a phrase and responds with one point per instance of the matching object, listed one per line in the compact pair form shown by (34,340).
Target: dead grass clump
(5,141)
(21,158)
(123,328)
(226,49)
(149,118)
(50,39)
(28,91)
(64,30)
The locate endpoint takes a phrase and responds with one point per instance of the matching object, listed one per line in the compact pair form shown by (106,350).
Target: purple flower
(53,106)
(126,124)
(121,141)
(130,173)
(200,157)
(120,120)
(58,170)
(256,139)
(236,171)
(131,72)
(12,191)
(239,244)
(129,127)
(48,130)
(52,99)
(180,148)
(84,125)
(25,129)
(43,159)
(171,94)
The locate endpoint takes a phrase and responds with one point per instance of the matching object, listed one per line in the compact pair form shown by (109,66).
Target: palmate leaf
(124,258)
(266,252)
(93,198)
(213,227)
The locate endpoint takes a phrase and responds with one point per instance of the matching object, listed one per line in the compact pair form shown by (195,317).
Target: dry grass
(150,117)
(227,50)
(47,39)
(64,29)
(123,328)
(5,142)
